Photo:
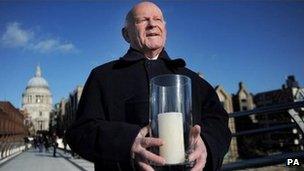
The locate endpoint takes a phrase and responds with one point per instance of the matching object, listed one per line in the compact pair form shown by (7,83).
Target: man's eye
(141,20)
(158,20)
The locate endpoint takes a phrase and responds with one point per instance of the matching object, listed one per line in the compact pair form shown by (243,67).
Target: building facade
(37,101)
(289,138)
(57,117)
(12,129)
(253,139)
(243,101)
(71,106)
(226,101)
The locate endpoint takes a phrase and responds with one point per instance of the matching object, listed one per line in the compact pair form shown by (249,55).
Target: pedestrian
(64,144)
(35,142)
(46,142)
(54,143)
(40,143)
(26,142)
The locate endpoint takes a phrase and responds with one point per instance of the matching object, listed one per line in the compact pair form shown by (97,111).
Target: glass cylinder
(171,116)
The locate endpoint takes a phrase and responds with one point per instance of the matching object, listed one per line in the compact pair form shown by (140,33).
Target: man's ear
(125,35)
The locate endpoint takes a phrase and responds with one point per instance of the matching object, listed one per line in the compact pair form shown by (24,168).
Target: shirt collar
(134,55)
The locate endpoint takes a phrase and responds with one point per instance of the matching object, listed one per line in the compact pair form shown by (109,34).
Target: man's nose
(152,23)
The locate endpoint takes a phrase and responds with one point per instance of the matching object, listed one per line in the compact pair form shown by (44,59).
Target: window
(40,113)
(39,99)
(40,125)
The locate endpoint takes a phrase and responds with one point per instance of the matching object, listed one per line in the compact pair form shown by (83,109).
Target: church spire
(38,71)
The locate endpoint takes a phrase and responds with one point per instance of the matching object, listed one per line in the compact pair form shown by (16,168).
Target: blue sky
(259,43)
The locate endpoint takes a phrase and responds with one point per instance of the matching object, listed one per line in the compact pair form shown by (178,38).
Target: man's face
(147,31)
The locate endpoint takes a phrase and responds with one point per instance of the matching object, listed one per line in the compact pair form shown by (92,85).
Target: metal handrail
(274,158)
(263,161)
(267,129)
(268,109)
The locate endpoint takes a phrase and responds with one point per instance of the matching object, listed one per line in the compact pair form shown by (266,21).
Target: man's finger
(195,131)
(194,135)
(144,131)
(202,158)
(200,164)
(149,142)
(147,155)
(195,155)
(200,149)
(145,166)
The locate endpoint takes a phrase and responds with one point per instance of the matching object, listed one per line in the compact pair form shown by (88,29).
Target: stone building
(226,101)
(284,135)
(37,101)
(289,138)
(54,116)
(64,112)
(70,106)
(57,117)
(242,101)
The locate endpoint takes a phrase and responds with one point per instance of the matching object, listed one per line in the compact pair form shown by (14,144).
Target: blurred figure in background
(54,143)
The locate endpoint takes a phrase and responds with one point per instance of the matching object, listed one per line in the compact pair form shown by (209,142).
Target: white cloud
(16,37)
(45,45)
(50,45)
(67,47)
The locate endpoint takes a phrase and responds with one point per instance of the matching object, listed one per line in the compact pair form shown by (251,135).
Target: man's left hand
(198,148)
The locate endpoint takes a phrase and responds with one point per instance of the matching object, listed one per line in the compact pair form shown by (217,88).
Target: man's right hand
(141,155)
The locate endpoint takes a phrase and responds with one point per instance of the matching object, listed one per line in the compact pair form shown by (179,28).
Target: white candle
(170,130)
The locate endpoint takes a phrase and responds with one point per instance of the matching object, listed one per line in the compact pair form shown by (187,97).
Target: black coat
(114,106)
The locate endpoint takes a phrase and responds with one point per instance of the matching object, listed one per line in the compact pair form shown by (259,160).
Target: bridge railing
(11,144)
(295,112)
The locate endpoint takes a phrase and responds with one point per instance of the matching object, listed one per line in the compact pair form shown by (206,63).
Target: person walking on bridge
(54,143)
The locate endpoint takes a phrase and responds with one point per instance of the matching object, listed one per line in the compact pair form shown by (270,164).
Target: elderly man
(112,117)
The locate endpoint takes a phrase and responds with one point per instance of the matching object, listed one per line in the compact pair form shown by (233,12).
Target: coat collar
(133,56)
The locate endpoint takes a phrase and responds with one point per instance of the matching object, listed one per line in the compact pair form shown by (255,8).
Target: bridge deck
(32,160)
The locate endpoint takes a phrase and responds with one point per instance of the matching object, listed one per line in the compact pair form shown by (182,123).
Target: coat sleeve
(92,136)
(214,128)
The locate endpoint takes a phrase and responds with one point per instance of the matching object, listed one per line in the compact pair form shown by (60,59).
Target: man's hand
(141,155)
(199,151)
